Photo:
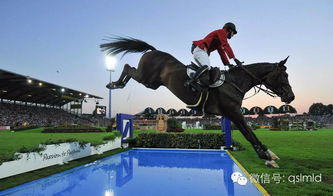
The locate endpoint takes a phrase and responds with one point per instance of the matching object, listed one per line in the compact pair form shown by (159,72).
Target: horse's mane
(249,66)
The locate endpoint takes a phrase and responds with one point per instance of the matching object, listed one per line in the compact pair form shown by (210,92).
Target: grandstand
(254,116)
(27,101)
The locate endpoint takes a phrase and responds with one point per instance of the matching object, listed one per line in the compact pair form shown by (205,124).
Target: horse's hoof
(113,85)
(110,85)
(271,164)
(273,155)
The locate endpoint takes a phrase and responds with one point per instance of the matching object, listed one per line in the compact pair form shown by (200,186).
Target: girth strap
(200,105)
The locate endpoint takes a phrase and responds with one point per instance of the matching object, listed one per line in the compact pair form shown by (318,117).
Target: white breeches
(201,57)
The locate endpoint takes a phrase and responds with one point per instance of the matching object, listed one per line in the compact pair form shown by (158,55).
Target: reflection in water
(145,172)
(124,170)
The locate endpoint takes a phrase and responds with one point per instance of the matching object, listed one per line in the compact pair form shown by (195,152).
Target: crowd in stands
(264,120)
(321,119)
(260,120)
(15,115)
(203,121)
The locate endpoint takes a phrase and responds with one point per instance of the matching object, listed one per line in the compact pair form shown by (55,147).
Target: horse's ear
(283,61)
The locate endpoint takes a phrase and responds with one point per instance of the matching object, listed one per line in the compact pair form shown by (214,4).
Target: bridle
(258,87)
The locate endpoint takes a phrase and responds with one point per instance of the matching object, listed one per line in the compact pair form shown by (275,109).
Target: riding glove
(238,62)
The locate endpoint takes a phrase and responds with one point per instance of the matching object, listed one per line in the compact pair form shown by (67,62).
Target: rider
(216,40)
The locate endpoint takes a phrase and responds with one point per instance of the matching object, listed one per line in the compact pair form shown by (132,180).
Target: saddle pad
(190,72)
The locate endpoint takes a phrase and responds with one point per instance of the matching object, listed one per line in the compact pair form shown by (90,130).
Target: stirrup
(200,71)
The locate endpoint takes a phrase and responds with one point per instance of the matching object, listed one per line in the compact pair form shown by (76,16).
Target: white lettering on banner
(63,154)
(51,156)
(71,152)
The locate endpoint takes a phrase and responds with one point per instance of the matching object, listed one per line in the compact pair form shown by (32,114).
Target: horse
(157,68)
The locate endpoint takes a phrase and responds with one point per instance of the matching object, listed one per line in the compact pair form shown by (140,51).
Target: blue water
(145,172)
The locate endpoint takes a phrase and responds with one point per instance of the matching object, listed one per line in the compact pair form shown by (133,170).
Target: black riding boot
(197,75)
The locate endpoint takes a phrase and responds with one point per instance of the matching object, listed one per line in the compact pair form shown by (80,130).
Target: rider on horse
(216,40)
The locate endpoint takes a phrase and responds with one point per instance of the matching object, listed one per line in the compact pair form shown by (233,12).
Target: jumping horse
(157,68)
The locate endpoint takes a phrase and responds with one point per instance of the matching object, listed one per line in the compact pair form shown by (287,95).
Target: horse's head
(277,81)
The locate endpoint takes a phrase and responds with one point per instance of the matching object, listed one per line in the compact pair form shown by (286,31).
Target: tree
(329,109)
(317,109)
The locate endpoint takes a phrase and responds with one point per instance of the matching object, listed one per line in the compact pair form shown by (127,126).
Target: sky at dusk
(40,37)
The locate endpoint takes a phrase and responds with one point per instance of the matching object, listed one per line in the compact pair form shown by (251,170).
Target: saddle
(210,79)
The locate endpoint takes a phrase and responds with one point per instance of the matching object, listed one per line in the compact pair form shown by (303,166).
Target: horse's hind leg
(123,79)
(143,77)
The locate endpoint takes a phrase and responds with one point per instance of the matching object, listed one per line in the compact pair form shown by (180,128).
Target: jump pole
(125,126)
(226,129)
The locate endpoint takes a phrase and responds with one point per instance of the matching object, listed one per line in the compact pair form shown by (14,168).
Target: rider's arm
(222,35)
(223,56)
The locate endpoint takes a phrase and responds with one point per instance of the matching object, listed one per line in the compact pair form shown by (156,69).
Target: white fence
(55,154)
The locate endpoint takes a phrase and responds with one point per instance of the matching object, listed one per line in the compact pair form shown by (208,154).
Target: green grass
(301,152)
(11,142)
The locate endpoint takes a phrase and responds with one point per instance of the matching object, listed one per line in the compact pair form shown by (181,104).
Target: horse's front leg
(262,151)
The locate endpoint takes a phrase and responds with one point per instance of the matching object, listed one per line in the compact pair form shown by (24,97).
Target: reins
(257,88)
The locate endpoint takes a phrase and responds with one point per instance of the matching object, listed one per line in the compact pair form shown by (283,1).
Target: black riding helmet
(230,26)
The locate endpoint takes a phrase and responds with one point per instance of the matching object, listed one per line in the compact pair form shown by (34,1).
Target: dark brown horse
(158,68)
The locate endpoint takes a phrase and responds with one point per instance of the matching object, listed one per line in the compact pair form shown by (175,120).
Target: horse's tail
(126,45)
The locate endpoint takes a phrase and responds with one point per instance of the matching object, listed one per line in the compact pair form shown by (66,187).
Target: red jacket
(217,40)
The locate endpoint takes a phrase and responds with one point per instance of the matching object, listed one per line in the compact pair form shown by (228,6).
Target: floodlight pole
(110,64)
(110,95)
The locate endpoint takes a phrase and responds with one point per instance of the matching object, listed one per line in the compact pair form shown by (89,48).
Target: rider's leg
(201,56)
(202,59)
(199,72)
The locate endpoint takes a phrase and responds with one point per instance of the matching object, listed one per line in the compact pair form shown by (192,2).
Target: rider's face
(231,34)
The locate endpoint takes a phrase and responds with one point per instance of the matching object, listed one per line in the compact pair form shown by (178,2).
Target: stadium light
(62,90)
(110,63)
(40,84)
(109,193)
(29,81)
